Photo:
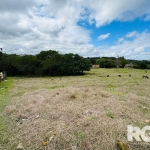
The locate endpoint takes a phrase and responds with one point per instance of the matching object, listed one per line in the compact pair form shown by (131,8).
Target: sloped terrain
(88,112)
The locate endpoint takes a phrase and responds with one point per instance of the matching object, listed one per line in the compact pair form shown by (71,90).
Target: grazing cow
(145,77)
(129,75)
(107,75)
(119,75)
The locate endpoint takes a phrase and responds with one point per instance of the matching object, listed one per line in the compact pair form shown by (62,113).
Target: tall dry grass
(77,113)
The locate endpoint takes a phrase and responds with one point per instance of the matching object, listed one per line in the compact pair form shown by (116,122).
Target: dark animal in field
(129,75)
(119,75)
(145,77)
(107,75)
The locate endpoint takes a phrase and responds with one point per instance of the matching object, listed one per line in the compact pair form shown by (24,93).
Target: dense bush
(112,62)
(45,63)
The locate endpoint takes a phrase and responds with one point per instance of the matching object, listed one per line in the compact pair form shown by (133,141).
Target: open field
(89,112)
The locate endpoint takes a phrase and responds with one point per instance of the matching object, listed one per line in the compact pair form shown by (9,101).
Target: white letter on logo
(133,132)
(143,136)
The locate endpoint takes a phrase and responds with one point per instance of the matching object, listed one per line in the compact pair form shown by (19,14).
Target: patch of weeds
(4,92)
(109,114)
(141,94)
(81,136)
(117,93)
(123,71)
(144,104)
(122,99)
(3,140)
(19,93)
(80,139)
(3,102)
(72,96)
(110,85)
(104,95)
(137,124)
(92,118)
(145,109)
(3,88)
(54,87)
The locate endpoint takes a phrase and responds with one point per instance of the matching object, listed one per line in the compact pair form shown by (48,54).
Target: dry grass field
(89,112)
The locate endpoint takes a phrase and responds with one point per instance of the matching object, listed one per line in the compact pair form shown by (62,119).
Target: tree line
(52,63)
(46,63)
(120,62)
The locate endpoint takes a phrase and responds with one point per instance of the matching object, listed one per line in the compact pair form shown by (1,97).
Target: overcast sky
(87,27)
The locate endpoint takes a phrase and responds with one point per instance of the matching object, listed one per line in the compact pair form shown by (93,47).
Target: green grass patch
(19,94)
(81,136)
(54,87)
(109,114)
(111,85)
(5,86)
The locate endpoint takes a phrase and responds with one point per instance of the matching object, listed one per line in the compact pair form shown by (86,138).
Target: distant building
(128,65)
(95,66)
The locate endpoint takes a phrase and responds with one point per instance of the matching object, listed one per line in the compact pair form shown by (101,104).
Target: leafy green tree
(70,64)
(74,64)
(85,65)
(51,65)
(45,63)
(106,62)
(102,62)
(43,55)
(123,62)
(143,65)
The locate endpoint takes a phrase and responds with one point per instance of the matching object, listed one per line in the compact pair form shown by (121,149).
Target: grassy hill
(89,112)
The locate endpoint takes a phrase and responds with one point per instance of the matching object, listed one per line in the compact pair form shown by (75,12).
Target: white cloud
(103,36)
(106,11)
(147,18)
(33,25)
(132,34)
(139,49)
(17,6)
(120,40)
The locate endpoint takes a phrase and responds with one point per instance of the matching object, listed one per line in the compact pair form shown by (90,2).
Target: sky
(90,28)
